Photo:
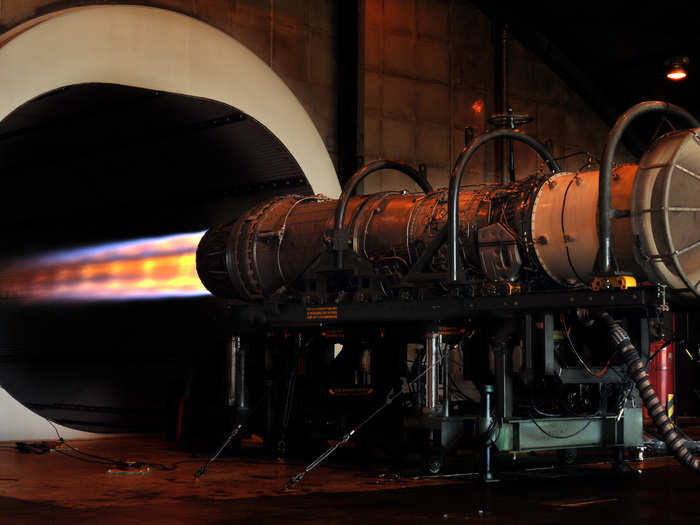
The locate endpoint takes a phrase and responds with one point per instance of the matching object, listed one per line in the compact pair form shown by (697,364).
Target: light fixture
(676,68)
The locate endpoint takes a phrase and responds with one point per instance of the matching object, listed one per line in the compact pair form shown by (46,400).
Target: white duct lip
(18,423)
(158,49)
(155,49)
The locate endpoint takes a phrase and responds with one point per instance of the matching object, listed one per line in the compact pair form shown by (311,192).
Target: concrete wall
(295,37)
(429,72)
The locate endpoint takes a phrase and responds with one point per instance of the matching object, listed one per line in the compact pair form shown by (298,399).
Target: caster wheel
(567,456)
(434,461)
(618,464)
(433,465)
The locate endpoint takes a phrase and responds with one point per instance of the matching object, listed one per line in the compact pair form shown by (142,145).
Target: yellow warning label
(321,312)
(351,391)
(450,330)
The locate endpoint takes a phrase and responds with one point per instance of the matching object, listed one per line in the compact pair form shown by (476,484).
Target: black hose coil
(638,373)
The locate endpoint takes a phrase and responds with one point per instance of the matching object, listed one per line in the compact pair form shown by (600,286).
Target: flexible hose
(638,373)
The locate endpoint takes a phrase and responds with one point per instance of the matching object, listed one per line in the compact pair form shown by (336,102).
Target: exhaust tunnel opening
(91,164)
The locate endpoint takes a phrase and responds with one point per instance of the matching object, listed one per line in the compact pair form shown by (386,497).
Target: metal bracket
(621,282)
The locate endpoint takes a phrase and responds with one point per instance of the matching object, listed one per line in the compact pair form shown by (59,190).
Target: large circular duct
(157,55)
(161,50)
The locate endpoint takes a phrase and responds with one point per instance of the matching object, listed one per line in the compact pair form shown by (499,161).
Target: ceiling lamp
(676,68)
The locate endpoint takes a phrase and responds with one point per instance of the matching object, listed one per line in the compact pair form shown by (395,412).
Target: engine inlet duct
(149,268)
(536,233)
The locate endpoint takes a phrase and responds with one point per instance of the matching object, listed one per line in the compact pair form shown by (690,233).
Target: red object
(662,372)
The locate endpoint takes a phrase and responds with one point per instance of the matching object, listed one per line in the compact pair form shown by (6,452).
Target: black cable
(100,460)
(563,231)
(86,460)
(665,344)
(577,153)
(490,441)
(64,442)
(541,412)
(590,420)
(460,391)
(580,359)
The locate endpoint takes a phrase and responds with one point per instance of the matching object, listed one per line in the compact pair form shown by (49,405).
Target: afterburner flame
(152,268)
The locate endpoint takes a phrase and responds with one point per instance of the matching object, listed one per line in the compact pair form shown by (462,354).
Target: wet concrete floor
(54,488)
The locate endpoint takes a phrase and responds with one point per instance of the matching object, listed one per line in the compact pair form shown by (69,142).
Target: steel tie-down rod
(347,437)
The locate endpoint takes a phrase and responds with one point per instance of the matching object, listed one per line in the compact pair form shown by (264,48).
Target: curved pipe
(359,176)
(605,212)
(456,181)
(636,370)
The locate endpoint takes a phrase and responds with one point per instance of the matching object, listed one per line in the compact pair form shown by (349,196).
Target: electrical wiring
(100,460)
(607,365)
(64,442)
(489,441)
(460,391)
(580,359)
(578,153)
(629,384)
(574,434)
(541,412)
(86,460)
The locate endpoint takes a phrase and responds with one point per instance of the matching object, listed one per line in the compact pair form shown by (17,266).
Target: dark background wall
(429,72)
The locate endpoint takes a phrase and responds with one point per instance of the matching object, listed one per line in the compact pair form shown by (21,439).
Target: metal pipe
(604,261)
(432,375)
(504,387)
(232,369)
(486,429)
(241,397)
(504,69)
(456,181)
(359,176)
(446,382)
(507,152)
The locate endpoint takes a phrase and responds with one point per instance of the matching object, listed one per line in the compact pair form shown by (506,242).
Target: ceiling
(613,52)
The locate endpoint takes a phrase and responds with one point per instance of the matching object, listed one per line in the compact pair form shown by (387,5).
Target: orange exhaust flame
(152,268)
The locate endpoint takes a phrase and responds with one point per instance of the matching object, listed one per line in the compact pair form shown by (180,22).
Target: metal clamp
(339,239)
